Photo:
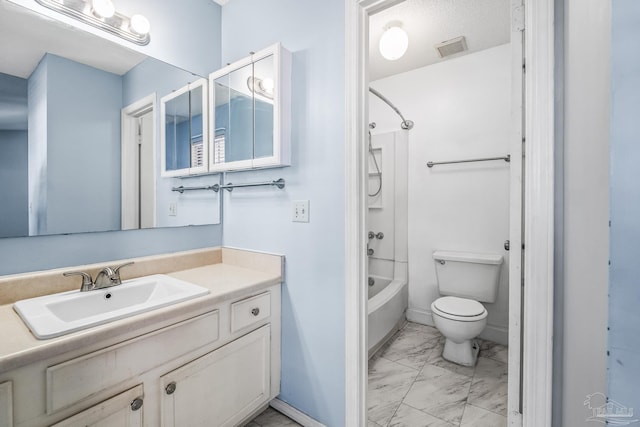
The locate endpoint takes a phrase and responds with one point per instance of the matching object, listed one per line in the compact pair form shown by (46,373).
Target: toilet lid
(459,306)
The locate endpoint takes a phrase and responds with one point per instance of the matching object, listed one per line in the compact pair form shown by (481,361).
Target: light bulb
(103,8)
(394,43)
(139,25)
(267,85)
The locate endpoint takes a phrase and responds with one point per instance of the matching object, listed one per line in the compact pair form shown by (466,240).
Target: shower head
(405,124)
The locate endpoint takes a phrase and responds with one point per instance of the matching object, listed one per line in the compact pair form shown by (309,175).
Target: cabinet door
(184,133)
(219,388)
(123,410)
(6,404)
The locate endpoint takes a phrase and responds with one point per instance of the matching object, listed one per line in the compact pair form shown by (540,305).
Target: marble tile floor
(411,385)
(272,418)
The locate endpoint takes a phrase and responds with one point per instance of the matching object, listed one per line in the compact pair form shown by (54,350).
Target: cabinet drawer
(119,411)
(249,311)
(77,379)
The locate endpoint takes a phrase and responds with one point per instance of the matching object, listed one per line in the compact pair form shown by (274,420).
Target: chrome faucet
(87,282)
(106,278)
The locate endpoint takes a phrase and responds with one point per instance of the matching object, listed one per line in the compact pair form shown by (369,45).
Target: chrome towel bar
(506,158)
(230,186)
(277,183)
(182,189)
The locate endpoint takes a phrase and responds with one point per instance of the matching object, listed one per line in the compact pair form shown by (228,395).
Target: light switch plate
(173,209)
(300,211)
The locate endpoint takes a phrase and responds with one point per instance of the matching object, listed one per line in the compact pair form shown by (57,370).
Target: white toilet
(465,279)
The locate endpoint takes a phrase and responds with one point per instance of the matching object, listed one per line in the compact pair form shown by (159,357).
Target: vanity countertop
(237,273)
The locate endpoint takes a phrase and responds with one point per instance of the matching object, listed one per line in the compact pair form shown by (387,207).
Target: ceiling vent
(451,47)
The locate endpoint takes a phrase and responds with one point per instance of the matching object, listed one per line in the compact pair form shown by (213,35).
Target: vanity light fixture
(102,14)
(263,87)
(393,43)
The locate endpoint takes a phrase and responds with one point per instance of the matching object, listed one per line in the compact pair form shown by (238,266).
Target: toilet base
(464,353)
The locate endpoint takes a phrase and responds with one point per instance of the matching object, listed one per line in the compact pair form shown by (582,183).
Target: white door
(138,165)
(146,190)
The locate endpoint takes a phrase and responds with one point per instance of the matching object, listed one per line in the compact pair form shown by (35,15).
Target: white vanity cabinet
(250,110)
(216,366)
(222,387)
(184,131)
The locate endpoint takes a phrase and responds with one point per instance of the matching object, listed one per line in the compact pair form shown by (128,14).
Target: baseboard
(291,412)
(491,332)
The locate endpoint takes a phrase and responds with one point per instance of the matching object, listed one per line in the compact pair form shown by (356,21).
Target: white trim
(494,333)
(539,214)
(355,216)
(129,114)
(514,333)
(538,226)
(294,414)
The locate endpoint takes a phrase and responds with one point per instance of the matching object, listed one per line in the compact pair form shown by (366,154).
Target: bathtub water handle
(380,235)
(371,235)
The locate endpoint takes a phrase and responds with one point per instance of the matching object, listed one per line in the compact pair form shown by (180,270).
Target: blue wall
(624,271)
(14,201)
(313,293)
(13,102)
(83,147)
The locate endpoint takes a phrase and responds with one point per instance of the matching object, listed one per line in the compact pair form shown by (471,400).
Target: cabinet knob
(136,404)
(170,388)
(255,311)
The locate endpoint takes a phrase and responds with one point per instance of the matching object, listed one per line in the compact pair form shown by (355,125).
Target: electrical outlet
(300,212)
(173,209)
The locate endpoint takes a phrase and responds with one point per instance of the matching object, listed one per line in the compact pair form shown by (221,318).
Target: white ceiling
(484,23)
(26,36)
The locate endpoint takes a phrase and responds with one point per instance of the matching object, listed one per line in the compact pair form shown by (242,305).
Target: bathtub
(388,299)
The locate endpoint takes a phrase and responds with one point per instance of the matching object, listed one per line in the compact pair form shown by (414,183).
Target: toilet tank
(468,275)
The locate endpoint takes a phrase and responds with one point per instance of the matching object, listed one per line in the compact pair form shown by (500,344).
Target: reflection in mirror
(264,88)
(177,130)
(234,115)
(184,130)
(67,141)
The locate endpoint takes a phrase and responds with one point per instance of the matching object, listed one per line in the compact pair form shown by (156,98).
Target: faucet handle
(116,271)
(87,282)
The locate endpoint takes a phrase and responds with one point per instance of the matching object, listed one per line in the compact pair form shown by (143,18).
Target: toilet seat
(459,309)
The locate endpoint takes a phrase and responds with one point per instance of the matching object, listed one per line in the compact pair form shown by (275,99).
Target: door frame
(538,223)
(129,126)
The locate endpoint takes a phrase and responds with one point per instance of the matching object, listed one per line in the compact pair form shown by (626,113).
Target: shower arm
(406,124)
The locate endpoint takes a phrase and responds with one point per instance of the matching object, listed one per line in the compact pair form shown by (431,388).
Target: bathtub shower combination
(387,247)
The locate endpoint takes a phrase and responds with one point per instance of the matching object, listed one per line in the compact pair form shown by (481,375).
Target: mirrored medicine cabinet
(250,111)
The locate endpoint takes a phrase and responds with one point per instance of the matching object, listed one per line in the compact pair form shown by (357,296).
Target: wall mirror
(79,134)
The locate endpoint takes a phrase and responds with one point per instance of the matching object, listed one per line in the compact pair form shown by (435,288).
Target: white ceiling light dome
(394,43)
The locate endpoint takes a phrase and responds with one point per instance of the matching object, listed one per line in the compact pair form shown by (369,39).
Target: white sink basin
(59,314)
